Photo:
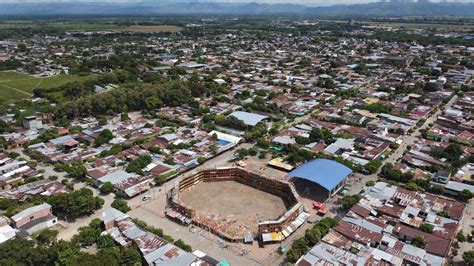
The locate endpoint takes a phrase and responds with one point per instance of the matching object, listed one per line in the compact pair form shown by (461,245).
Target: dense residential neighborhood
(305,142)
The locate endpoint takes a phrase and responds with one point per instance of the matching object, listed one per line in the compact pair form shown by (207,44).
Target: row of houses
(154,249)
(381,229)
(27,222)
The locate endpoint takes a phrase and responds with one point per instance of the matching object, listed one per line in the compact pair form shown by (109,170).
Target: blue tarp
(326,173)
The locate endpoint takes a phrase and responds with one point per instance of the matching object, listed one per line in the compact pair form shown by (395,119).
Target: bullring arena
(237,205)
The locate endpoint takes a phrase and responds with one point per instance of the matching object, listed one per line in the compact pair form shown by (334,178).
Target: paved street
(209,244)
(409,140)
(218,161)
(48,168)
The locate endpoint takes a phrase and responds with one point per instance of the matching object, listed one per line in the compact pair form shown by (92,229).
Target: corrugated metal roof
(116,177)
(30,211)
(326,173)
(248,118)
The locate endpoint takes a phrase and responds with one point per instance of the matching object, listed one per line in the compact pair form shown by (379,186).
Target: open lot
(15,85)
(235,207)
(152,29)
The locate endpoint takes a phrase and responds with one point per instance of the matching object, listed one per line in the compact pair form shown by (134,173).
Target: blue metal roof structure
(326,173)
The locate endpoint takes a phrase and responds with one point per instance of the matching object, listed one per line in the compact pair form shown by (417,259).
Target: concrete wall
(284,190)
(33,216)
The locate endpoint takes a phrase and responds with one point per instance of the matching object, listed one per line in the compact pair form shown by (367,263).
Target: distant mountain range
(149,8)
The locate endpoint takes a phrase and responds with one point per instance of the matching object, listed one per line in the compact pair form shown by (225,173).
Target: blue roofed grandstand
(328,174)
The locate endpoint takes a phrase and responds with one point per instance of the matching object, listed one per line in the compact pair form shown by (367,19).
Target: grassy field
(68,26)
(152,29)
(467,27)
(15,86)
(93,26)
(441,27)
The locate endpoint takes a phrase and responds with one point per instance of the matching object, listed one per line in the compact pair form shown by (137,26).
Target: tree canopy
(75,204)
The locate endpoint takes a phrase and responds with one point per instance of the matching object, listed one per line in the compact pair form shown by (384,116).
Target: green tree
(104,137)
(152,103)
(242,153)
(107,187)
(130,256)
(67,252)
(293,255)
(124,117)
(201,159)
(372,166)
(77,170)
(105,241)
(312,236)
(460,236)
(154,149)
(180,243)
(370,183)
(389,172)
(74,90)
(348,201)
(121,205)
(465,195)
(411,186)
(88,235)
(160,179)
(22,48)
(46,237)
(5,127)
(468,257)
(322,134)
(138,164)
(418,242)
(75,204)
(298,249)
(427,228)
(24,252)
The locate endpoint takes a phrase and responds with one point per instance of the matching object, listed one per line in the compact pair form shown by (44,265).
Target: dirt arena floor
(233,207)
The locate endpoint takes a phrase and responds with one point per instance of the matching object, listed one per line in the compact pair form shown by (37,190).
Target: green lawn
(85,26)
(15,86)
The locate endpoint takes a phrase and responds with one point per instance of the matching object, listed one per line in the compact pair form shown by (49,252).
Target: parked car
(323,211)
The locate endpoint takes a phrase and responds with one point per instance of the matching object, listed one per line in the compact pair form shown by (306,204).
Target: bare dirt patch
(234,207)
(152,29)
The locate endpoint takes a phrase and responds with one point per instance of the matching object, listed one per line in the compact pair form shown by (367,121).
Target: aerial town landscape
(233,139)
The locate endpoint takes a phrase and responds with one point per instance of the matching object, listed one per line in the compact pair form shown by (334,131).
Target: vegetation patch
(15,86)
(152,29)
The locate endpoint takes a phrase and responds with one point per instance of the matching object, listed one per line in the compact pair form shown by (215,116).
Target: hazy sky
(171,1)
(307,2)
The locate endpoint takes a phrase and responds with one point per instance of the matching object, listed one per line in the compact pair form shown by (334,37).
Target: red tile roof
(435,244)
